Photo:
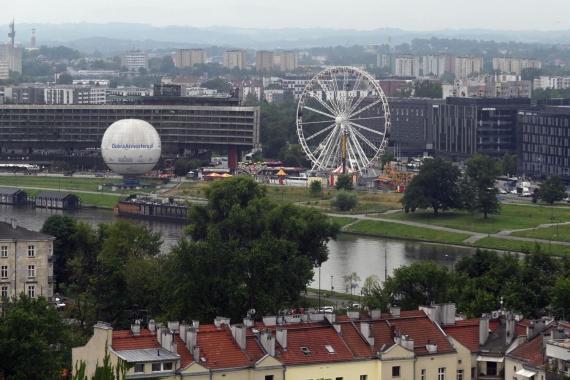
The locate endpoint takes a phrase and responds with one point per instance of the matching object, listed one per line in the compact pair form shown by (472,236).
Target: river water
(348,253)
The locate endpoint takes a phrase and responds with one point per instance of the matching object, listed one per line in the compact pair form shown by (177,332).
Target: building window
(363,377)
(31,271)
(268,377)
(459,374)
(4,251)
(339,378)
(32,291)
(139,367)
(156,367)
(396,371)
(31,251)
(441,374)
(4,271)
(423,374)
(4,292)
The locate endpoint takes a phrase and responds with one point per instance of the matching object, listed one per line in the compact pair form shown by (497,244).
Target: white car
(59,304)
(327,309)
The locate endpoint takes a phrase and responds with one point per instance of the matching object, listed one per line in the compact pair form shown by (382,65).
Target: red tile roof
(530,352)
(253,349)
(125,340)
(185,356)
(220,349)
(315,339)
(465,332)
(422,330)
(354,340)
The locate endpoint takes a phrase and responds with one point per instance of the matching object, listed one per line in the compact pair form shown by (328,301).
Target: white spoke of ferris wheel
(321,132)
(366,128)
(363,138)
(314,122)
(359,150)
(353,103)
(321,112)
(380,100)
(323,103)
(324,149)
(333,148)
(351,149)
(326,90)
(369,118)
(336,91)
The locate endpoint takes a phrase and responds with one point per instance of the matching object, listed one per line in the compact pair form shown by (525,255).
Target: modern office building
(26,262)
(264,60)
(234,59)
(135,60)
(508,65)
(47,133)
(189,57)
(544,134)
(467,126)
(464,67)
(412,125)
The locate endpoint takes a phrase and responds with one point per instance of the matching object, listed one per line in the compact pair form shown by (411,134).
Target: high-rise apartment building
(189,57)
(433,65)
(515,66)
(234,59)
(286,60)
(4,70)
(264,60)
(407,66)
(135,60)
(384,61)
(465,67)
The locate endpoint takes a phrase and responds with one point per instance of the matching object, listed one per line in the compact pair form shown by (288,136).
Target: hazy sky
(353,14)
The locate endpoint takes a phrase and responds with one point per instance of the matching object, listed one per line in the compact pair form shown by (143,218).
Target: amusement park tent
(281,173)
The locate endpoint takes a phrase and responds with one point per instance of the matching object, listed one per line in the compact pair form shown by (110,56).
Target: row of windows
(5,291)
(155,367)
(562,121)
(4,271)
(4,251)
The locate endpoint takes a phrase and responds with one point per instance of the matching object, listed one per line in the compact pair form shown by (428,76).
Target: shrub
(345,201)
(344,182)
(315,188)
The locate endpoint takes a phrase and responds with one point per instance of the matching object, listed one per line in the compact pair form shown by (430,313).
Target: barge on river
(152,209)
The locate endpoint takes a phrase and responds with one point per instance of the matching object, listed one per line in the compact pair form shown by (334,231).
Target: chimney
(281,336)
(248,322)
(136,329)
(13,223)
(375,314)
(367,333)
(483,329)
(448,311)
(219,321)
(509,328)
(173,325)
(196,324)
(337,327)
(196,354)
(431,347)
(238,332)
(167,340)
(267,342)
(431,313)
(191,338)
(330,317)
(270,320)
(152,326)
(407,342)
(182,331)
(395,311)
(353,314)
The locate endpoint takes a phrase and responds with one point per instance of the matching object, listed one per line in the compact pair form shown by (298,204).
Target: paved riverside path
(474,236)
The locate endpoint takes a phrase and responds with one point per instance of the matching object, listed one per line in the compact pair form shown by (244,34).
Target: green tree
(560,295)
(428,89)
(418,284)
(63,228)
(219,84)
(34,342)
(64,78)
(373,295)
(509,164)
(315,188)
(344,182)
(293,155)
(552,190)
(435,186)
(481,173)
(386,158)
(246,252)
(351,282)
(345,201)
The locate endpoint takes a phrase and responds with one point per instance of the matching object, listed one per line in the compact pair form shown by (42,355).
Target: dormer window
(306,350)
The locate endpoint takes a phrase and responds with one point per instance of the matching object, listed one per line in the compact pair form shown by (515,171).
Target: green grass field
(394,230)
(342,221)
(512,217)
(97,200)
(556,233)
(69,183)
(521,246)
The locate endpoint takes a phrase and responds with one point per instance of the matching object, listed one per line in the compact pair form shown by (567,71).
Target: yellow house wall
(467,359)
(346,370)
(433,362)
(512,366)
(93,352)
(394,357)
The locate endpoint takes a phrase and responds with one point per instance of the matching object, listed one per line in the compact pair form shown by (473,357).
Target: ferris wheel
(343,120)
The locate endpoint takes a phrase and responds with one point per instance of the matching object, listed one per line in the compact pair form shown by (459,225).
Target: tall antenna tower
(12,34)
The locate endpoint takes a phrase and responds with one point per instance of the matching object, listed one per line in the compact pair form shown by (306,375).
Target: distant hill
(112,37)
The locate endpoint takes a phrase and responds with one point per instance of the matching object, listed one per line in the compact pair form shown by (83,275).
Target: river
(348,253)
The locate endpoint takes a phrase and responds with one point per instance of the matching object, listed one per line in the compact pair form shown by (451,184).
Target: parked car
(59,304)
(326,309)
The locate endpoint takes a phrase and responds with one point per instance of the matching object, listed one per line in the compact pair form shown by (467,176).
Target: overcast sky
(345,14)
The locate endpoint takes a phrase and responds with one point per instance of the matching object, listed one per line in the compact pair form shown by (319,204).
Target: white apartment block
(12,56)
(555,83)
(4,70)
(295,85)
(264,60)
(515,66)
(383,61)
(433,65)
(467,66)
(234,59)
(189,57)
(407,66)
(135,60)
(286,61)
(26,262)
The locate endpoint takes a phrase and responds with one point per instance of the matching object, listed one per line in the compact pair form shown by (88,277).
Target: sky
(420,15)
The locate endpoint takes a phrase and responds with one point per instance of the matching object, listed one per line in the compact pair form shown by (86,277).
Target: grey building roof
(9,190)
(144,355)
(7,232)
(60,195)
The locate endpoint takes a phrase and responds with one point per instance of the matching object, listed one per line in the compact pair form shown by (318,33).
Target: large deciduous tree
(246,253)
(435,186)
(552,190)
(480,177)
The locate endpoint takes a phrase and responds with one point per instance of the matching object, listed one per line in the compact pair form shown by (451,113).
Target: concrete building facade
(234,59)
(135,60)
(286,60)
(407,66)
(189,57)
(26,262)
(264,60)
(508,65)
(464,67)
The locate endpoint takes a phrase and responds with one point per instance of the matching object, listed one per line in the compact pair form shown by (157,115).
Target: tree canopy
(552,190)
(480,184)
